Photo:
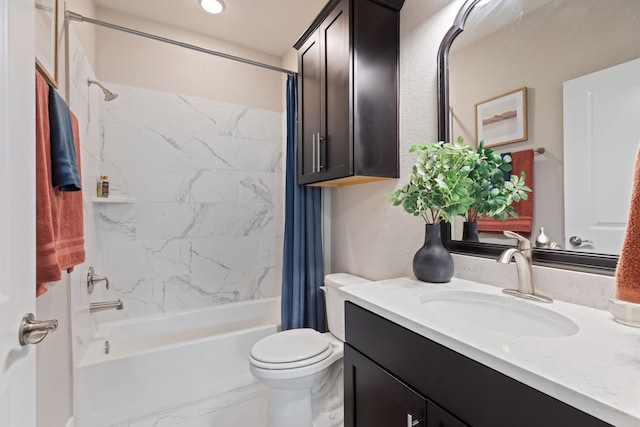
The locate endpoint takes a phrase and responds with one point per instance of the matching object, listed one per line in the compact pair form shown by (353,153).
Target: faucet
(522,255)
(105,305)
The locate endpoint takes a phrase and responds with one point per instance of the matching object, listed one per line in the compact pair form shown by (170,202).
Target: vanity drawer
(474,393)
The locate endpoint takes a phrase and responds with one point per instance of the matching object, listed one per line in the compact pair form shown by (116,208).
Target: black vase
(433,263)
(470,231)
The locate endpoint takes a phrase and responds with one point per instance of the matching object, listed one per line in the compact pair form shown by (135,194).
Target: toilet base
(319,406)
(289,408)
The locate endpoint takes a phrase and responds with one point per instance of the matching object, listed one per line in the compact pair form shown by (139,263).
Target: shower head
(108,95)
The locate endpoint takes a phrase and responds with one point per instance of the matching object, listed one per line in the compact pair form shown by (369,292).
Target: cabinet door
(309,103)
(374,398)
(335,117)
(438,417)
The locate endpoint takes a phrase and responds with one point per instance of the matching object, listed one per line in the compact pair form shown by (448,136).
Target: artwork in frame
(46,24)
(502,119)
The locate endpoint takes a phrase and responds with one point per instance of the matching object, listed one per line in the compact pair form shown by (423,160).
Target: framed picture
(503,119)
(47,39)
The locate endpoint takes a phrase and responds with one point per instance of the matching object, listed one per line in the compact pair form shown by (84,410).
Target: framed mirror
(559,52)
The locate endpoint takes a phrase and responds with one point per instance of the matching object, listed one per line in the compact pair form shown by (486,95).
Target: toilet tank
(335,302)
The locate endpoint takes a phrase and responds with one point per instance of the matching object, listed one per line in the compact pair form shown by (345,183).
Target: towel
(59,215)
(628,269)
(521,161)
(64,168)
(47,267)
(70,242)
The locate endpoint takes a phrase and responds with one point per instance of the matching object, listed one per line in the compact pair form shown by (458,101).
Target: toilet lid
(292,348)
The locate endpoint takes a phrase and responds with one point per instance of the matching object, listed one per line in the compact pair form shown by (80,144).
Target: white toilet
(303,367)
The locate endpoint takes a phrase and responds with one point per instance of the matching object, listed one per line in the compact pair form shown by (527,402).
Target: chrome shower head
(108,95)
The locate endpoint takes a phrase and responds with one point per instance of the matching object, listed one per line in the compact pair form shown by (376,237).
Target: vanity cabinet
(348,94)
(392,374)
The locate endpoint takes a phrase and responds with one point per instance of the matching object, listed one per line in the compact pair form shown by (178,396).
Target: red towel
(59,216)
(70,243)
(47,267)
(628,269)
(521,161)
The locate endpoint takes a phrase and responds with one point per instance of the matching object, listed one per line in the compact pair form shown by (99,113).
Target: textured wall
(370,237)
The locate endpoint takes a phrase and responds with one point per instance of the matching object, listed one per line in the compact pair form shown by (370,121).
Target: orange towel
(59,217)
(47,267)
(70,243)
(521,161)
(628,269)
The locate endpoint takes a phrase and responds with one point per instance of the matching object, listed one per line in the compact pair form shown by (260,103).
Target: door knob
(33,331)
(577,241)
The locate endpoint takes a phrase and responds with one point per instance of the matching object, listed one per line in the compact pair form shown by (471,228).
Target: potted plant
(494,189)
(440,187)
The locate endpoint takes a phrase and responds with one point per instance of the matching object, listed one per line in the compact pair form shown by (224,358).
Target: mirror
(556,50)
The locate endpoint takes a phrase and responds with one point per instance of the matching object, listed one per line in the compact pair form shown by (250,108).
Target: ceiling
(270,26)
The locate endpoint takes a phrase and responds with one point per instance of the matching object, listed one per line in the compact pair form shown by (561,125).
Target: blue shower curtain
(302,270)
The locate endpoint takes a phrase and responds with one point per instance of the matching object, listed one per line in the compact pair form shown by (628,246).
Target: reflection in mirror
(578,61)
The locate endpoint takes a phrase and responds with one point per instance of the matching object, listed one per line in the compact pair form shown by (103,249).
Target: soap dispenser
(542,240)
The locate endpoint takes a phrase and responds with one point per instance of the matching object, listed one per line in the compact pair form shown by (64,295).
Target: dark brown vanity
(395,377)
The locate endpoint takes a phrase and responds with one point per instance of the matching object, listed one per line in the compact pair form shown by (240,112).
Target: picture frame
(46,23)
(502,119)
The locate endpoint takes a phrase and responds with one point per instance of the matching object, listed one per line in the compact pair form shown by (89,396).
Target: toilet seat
(290,349)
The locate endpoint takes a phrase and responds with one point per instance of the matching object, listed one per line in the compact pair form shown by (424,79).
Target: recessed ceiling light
(212,6)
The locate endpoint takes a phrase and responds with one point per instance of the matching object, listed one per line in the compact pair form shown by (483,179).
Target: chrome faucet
(105,305)
(522,255)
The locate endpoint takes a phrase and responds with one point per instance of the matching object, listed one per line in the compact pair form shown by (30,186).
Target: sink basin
(498,313)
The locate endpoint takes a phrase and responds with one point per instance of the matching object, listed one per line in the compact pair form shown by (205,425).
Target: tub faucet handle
(93,278)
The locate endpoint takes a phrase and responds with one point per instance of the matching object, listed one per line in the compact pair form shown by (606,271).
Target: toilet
(303,367)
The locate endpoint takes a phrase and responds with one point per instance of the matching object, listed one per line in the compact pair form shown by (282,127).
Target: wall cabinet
(395,377)
(348,94)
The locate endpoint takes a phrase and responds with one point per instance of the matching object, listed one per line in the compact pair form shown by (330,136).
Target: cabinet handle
(410,422)
(313,157)
(319,157)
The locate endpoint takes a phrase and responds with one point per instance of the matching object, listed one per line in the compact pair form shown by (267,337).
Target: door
(601,113)
(309,103)
(335,140)
(324,143)
(17,210)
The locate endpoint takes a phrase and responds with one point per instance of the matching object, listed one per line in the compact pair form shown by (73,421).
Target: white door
(17,210)
(601,138)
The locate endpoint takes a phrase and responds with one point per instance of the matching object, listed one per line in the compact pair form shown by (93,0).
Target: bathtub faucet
(105,305)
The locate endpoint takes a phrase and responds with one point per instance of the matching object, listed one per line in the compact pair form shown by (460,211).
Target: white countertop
(596,370)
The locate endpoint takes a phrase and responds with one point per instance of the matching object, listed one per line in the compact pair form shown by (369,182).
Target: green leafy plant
(493,195)
(440,183)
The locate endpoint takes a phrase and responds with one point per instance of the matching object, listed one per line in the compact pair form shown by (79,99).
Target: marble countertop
(597,370)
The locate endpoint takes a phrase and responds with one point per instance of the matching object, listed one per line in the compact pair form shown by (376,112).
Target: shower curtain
(302,271)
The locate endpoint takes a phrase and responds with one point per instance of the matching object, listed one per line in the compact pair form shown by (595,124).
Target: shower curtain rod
(72,16)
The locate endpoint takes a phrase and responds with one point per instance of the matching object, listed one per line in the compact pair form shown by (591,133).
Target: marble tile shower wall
(206,224)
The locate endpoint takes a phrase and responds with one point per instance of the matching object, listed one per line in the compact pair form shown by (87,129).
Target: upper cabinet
(348,94)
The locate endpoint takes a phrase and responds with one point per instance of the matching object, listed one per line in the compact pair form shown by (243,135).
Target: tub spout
(105,305)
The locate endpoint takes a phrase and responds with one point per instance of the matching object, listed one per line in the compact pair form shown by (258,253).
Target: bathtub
(159,362)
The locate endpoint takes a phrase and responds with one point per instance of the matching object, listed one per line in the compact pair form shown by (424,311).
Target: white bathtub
(159,362)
